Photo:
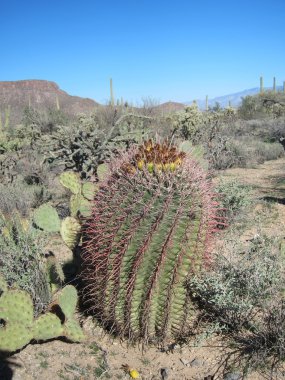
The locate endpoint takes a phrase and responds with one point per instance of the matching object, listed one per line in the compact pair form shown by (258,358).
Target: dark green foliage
(267,104)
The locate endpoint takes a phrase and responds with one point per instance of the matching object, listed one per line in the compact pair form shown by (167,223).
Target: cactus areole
(151,227)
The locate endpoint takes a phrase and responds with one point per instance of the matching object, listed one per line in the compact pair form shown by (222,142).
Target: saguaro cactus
(261,85)
(274,84)
(151,224)
(112,101)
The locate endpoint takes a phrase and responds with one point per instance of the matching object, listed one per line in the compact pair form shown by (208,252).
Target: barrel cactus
(151,227)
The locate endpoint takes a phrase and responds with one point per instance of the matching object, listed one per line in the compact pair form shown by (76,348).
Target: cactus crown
(155,156)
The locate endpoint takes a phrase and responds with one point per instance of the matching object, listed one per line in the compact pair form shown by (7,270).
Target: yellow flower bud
(134,374)
(140,164)
(150,167)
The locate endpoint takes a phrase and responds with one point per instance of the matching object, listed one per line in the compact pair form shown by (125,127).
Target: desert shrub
(268,104)
(21,259)
(91,141)
(233,198)
(21,197)
(263,151)
(235,294)
(44,121)
(264,346)
(267,130)
(224,152)
(242,298)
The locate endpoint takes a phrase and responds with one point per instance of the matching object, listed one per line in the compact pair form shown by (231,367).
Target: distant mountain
(235,99)
(40,94)
(170,107)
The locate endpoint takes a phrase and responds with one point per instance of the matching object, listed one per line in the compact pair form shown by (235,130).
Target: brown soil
(102,357)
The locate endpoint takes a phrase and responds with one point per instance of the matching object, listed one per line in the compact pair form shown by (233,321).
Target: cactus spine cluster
(150,227)
(20,326)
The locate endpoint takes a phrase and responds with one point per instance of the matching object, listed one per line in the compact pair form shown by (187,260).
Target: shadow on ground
(281,201)
(6,366)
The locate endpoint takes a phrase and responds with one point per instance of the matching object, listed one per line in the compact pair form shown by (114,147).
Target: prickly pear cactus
(151,227)
(71,181)
(70,231)
(20,326)
(46,218)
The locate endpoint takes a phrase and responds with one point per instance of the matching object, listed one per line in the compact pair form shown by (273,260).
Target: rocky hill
(40,94)
(170,107)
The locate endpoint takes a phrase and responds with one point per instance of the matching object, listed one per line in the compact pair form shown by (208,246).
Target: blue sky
(166,50)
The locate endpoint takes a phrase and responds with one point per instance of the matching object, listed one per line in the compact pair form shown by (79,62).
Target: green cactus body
(7,117)
(89,190)
(112,101)
(70,231)
(102,171)
(67,300)
(16,305)
(47,326)
(73,331)
(71,181)
(14,336)
(150,228)
(261,85)
(20,327)
(46,217)
(79,205)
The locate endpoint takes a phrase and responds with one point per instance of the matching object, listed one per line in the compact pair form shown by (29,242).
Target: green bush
(233,197)
(240,286)
(268,104)
(242,298)
(21,260)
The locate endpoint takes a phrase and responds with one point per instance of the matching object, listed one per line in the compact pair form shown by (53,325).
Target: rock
(233,376)
(196,363)
(164,372)
(185,361)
